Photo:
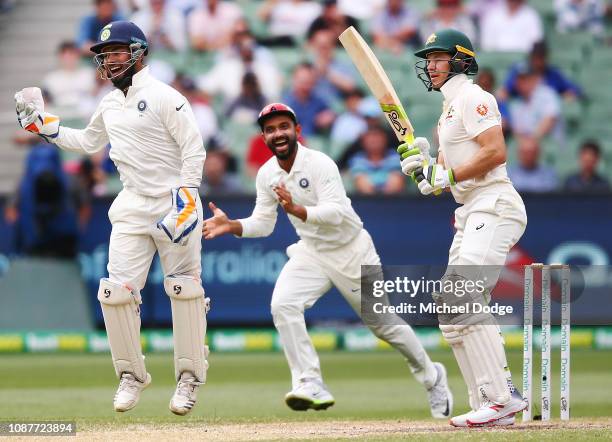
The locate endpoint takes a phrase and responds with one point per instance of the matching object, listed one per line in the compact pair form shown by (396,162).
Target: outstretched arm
(220,224)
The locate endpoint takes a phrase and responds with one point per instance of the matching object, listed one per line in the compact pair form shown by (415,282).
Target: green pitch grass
(249,389)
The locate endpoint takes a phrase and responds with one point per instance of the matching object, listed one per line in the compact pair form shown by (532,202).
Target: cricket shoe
(490,412)
(461,420)
(128,393)
(185,395)
(440,396)
(310,393)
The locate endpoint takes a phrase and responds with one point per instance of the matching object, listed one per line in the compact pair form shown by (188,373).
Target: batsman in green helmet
(471,163)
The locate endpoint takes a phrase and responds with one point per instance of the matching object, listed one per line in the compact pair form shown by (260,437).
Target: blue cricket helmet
(121,32)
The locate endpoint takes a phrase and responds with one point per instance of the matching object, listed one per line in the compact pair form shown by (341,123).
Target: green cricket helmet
(453,42)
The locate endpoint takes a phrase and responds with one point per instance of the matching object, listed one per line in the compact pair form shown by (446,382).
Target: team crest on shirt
(482,109)
(304,183)
(142,105)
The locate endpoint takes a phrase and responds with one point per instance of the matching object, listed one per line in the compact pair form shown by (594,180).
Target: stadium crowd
(230,58)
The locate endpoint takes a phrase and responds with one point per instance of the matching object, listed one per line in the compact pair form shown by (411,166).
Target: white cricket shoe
(490,412)
(185,395)
(462,419)
(310,393)
(440,396)
(128,393)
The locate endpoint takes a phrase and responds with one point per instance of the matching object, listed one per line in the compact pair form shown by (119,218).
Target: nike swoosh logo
(354,290)
(179,108)
(480,226)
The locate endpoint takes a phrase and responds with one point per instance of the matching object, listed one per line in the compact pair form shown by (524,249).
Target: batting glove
(31,116)
(414,156)
(183,216)
(434,179)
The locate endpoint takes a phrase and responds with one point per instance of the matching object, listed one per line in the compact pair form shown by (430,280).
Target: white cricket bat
(377,80)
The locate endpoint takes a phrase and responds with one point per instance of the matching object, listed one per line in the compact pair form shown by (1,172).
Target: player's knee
(113,293)
(281,309)
(183,287)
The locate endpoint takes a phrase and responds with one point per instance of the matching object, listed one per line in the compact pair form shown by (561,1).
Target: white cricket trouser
(488,225)
(135,239)
(305,278)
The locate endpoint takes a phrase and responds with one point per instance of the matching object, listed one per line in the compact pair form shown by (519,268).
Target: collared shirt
(154,137)
(315,183)
(467,112)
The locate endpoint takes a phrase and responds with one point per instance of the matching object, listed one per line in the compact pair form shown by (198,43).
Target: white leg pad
(454,338)
(484,346)
(121,310)
(188,325)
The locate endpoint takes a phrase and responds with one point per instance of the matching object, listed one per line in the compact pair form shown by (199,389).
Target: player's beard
(291,147)
(123,81)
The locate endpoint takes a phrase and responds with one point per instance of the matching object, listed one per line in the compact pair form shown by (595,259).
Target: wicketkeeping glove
(434,178)
(31,116)
(414,156)
(183,216)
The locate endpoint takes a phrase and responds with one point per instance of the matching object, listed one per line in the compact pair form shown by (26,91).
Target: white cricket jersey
(154,137)
(467,112)
(315,183)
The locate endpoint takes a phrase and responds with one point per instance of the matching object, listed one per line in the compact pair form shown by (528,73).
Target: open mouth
(115,69)
(281,145)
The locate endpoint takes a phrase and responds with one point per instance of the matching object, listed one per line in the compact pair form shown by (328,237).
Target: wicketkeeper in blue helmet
(470,163)
(120,52)
(159,153)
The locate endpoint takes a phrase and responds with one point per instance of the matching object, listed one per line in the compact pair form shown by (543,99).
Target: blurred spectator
(92,175)
(203,112)
(550,75)
(163,26)
(240,33)
(66,86)
(288,20)
(162,70)
(216,179)
(511,27)
(396,26)
(226,76)
(333,19)
(334,76)
(185,6)
(91,25)
(350,124)
(587,179)
(580,15)
(448,14)
(536,111)
(486,80)
(246,107)
(477,9)
(529,175)
(314,111)
(376,169)
(361,9)
(210,26)
(89,103)
(45,206)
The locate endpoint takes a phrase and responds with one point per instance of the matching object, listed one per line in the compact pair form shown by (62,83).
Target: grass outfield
(376,397)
